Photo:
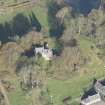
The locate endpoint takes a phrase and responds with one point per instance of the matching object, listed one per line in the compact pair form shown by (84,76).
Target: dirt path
(4,94)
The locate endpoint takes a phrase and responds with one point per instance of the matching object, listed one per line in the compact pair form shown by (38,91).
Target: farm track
(14,6)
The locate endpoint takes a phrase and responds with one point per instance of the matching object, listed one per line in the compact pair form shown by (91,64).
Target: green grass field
(74,86)
(60,89)
(39,10)
(17,96)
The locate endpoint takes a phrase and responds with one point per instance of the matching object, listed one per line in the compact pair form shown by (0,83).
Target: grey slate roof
(99,103)
(99,87)
(91,100)
(95,99)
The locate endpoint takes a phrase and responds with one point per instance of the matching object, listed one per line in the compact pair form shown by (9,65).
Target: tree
(61,14)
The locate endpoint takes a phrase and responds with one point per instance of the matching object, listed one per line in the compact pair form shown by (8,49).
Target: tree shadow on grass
(35,22)
(56,28)
(2,33)
(20,25)
(89,92)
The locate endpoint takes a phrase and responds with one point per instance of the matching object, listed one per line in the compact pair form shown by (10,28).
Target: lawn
(7,1)
(39,9)
(60,89)
(17,96)
(74,86)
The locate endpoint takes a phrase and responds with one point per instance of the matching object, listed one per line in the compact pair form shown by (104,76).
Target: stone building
(46,52)
(99,97)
